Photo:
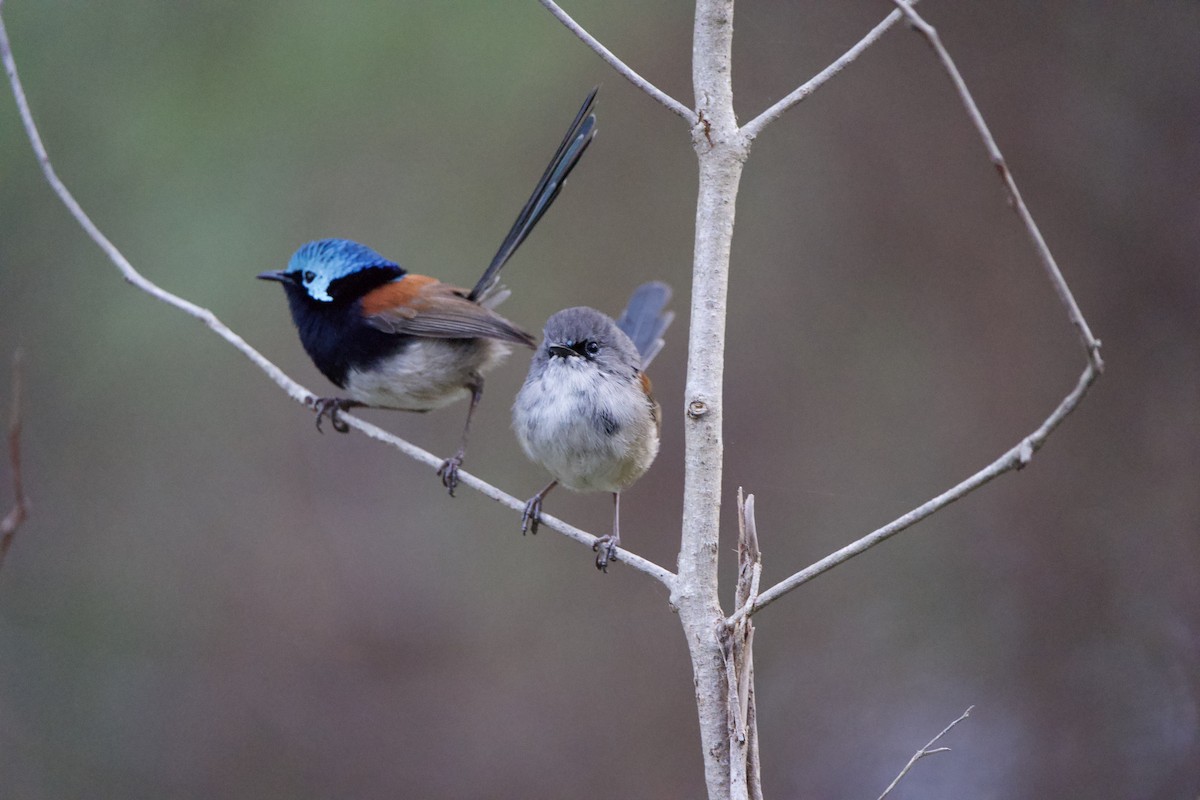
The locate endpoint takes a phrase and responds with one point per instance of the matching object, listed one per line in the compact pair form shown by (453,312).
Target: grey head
(586,334)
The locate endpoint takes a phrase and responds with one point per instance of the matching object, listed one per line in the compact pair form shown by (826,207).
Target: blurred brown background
(211,600)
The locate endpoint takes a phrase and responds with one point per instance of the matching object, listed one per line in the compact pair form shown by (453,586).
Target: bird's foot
(531,517)
(448,471)
(606,550)
(331,407)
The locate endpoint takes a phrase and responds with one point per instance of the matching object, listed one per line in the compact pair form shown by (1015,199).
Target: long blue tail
(578,137)
(644,320)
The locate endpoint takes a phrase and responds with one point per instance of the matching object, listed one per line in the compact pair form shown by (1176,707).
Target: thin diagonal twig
(20,510)
(927,750)
(661,574)
(1089,342)
(1015,458)
(620,66)
(293,389)
(131,275)
(755,126)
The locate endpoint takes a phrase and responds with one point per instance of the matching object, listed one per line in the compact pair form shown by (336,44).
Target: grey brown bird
(586,412)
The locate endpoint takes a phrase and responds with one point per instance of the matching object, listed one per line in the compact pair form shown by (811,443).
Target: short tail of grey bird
(644,320)
(578,137)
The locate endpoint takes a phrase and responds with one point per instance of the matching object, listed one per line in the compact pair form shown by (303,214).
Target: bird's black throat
(336,337)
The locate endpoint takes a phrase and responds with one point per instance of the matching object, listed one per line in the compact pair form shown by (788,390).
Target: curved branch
(620,66)
(1019,456)
(755,126)
(721,152)
(293,389)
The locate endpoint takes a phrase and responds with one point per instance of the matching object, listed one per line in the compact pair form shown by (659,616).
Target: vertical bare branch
(749,554)
(927,750)
(737,643)
(736,787)
(20,510)
(620,66)
(721,151)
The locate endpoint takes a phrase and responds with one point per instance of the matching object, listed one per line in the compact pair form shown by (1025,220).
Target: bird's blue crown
(317,265)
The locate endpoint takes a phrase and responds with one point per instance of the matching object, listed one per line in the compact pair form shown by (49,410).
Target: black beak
(562,351)
(277,275)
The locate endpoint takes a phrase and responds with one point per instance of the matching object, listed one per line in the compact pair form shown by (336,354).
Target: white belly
(591,435)
(429,374)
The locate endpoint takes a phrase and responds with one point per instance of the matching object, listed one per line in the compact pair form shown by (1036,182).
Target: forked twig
(925,751)
(293,389)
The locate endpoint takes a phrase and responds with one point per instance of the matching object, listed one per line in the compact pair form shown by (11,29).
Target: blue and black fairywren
(392,339)
(585,412)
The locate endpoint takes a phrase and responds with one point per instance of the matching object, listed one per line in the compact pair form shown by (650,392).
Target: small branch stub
(20,510)
(697,409)
(1024,453)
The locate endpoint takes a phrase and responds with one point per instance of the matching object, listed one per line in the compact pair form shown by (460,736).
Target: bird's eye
(310,276)
(592,348)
